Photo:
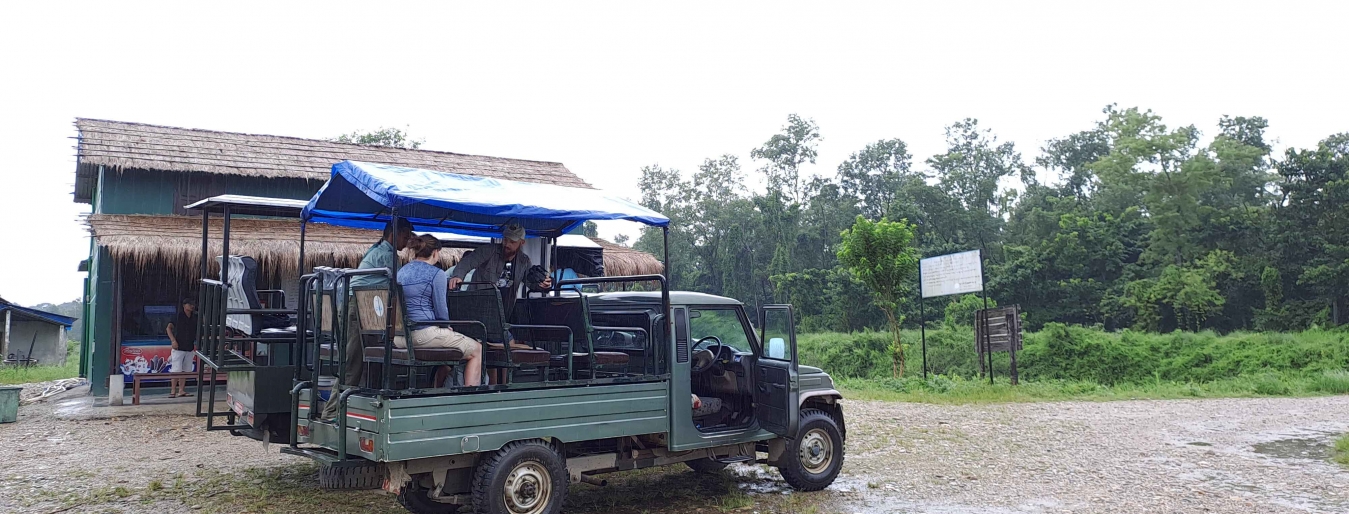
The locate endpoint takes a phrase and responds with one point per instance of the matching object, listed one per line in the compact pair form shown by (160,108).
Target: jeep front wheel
(814,458)
(523,477)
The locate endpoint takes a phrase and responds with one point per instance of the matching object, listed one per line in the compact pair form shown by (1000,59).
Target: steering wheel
(705,358)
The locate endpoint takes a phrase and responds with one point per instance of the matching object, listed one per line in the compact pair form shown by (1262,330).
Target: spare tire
(369,475)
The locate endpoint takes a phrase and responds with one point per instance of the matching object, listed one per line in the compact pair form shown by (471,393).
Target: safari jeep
(587,377)
(515,451)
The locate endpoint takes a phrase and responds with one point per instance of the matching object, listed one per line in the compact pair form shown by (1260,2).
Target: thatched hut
(146,250)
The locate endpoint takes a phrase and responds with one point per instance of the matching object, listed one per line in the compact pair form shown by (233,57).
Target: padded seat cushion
(519,356)
(601,358)
(423,354)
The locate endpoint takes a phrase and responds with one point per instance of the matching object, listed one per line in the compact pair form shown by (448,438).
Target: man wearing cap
(503,264)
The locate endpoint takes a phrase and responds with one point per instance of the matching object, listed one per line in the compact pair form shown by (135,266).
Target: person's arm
(173,341)
(438,293)
(469,262)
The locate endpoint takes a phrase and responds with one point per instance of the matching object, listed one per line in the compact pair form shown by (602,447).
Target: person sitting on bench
(424,290)
(381,255)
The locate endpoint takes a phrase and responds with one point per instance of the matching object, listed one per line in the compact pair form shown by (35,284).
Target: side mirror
(777,348)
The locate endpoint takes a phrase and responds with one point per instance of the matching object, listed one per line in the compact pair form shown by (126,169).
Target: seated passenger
(424,289)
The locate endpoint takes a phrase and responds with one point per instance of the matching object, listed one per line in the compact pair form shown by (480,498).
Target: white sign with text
(954,273)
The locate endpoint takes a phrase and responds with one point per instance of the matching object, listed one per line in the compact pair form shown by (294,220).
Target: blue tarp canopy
(365,195)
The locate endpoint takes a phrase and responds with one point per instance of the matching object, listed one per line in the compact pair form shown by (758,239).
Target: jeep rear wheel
(523,477)
(812,460)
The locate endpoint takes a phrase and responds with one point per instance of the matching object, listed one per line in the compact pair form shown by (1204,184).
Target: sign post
(944,275)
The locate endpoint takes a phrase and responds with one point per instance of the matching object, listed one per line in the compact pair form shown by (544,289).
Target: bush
(1090,355)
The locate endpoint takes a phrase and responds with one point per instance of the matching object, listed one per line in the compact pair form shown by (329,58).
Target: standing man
(183,339)
(383,254)
(503,264)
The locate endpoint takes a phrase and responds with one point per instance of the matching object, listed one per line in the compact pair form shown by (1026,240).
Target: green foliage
(1129,224)
(383,136)
(880,255)
(1342,450)
(1077,354)
(961,312)
(11,375)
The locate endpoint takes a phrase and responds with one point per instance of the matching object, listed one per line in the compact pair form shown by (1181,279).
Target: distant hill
(72,309)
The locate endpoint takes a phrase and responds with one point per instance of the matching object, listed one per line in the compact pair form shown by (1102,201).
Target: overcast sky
(607,88)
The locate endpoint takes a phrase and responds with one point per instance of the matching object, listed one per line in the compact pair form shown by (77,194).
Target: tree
(882,256)
(391,137)
(786,152)
(876,174)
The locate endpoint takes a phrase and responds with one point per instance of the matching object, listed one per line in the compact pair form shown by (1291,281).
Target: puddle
(1314,448)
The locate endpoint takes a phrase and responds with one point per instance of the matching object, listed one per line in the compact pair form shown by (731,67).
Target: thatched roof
(175,241)
(621,260)
(121,145)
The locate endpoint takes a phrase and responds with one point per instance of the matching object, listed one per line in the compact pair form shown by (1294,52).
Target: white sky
(607,88)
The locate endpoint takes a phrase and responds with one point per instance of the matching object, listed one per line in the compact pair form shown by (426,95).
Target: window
(724,323)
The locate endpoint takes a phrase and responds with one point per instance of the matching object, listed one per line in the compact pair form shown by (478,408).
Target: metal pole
(665,287)
(922,317)
(987,344)
(224,279)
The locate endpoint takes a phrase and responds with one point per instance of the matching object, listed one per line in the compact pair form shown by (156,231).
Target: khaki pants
(441,337)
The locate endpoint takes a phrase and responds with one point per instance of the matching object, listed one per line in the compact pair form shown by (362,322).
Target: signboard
(949,274)
(142,356)
(1004,329)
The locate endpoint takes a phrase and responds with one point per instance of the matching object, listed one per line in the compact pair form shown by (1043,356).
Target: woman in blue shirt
(424,289)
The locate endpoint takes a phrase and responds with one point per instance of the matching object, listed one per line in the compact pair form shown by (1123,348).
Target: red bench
(137,378)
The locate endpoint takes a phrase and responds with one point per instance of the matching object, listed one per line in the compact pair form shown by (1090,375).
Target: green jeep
(515,451)
(607,380)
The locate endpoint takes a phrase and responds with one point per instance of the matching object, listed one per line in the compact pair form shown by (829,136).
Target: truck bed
(435,426)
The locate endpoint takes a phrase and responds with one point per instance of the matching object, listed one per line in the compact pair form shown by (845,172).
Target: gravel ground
(1227,455)
(48,459)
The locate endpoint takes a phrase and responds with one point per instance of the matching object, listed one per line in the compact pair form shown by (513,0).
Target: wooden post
(4,346)
(1014,335)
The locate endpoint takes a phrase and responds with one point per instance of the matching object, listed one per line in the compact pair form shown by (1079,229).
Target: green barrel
(9,403)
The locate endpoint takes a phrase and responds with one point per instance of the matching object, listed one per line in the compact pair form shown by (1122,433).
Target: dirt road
(1233,455)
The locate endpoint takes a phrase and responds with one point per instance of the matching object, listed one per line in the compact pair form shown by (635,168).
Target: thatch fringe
(175,242)
(621,260)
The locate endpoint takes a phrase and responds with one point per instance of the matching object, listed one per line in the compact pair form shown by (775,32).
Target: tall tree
(785,152)
(881,255)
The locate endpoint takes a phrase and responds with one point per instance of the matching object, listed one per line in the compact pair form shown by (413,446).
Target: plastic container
(325,387)
(9,403)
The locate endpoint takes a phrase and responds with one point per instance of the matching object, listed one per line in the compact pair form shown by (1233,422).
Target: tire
(523,477)
(706,465)
(353,478)
(414,499)
(814,458)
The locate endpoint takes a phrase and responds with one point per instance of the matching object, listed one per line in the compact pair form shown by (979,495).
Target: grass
(944,390)
(11,375)
(1342,450)
(665,490)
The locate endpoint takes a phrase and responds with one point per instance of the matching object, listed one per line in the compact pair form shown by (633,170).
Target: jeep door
(776,392)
